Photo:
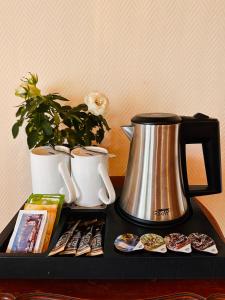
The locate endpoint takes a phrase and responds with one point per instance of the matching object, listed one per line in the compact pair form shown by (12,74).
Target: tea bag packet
(72,245)
(84,245)
(128,242)
(29,232)
(178,242)
(52,210)
(203,242)
(63,240)
(153,242)
(48,199)
(96,242)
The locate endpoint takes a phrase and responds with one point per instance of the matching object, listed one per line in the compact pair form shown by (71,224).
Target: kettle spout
(128,130)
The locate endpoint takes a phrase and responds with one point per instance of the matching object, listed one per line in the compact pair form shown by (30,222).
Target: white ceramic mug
(90,178)
(51,172)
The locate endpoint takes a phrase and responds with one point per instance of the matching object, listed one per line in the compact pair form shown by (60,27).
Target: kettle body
(156,189)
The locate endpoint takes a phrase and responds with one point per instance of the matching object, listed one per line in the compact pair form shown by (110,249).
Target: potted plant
(48,122)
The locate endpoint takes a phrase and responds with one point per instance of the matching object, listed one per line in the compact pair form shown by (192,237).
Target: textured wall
(147,56)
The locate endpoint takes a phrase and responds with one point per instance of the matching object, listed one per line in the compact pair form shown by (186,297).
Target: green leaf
(15,130)
(21,104)
(56,119)
(20,121)
(88,137)
(89,124)
(105,123)
(28,128)
(100,135)
(58,137)
(80,107)
(32,139)
(40,99)
(66,108)
(73,116)
(91,136)
(94,119)
(68,122)
(33,106)
(43,108)
(70,136)
(20,111)
(46,126)
(54,104)
(69,117)
(80,114)
(56,96)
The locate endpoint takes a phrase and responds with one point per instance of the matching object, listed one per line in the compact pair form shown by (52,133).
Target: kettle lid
(156,119)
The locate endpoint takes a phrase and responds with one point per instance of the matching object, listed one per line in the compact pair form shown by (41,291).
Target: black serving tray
(114,264)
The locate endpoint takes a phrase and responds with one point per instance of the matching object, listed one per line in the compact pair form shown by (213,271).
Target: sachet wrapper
(63,240)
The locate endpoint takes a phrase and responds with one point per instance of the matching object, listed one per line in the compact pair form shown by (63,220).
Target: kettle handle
(200,129)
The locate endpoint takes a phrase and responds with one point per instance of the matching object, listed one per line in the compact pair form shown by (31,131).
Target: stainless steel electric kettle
(156,189)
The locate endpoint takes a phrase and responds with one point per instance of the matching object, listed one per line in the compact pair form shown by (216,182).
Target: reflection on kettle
(156,189)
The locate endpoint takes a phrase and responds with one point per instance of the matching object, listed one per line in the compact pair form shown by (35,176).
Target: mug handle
(108,184)
(64,172)
(77,190)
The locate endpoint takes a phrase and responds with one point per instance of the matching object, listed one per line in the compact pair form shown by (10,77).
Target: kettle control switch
(200,116)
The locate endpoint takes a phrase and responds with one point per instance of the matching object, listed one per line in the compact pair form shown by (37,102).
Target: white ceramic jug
(90,178)
(50,172)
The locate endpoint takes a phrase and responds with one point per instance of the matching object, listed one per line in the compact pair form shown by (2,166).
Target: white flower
(97,103)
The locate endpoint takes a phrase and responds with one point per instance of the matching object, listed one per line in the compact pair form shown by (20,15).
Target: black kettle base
(151,224)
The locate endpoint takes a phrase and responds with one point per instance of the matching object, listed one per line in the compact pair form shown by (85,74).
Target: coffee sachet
(96,242)
(84,245)
(72,245)
(63,240)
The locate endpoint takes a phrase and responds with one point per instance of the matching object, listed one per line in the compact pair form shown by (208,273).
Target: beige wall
(147,56)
